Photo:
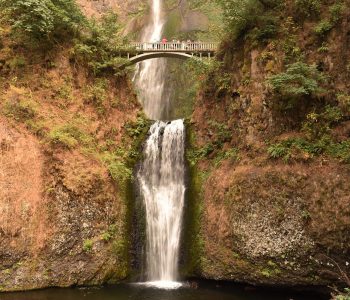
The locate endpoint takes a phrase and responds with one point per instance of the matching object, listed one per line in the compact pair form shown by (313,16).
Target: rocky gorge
(268,194)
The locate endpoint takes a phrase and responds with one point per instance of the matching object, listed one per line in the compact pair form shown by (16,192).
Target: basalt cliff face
(275,194)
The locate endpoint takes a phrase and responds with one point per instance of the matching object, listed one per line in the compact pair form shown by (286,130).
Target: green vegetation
(96,94)
(343,296)
(344,103)
(241,15)
(99,48)
(110,233)
(120,160)
(325,25)
(232,154)
(244,16)
(307,8)
(317,125)
(22,110)
(69,136)
(300,79)
(43,20)
(87,245)
(299,148)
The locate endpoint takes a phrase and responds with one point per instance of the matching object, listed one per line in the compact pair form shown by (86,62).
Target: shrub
(299,80)
(239,15)
(307,8)
(340,150)
(195,155)
(118,170)
(100,46)
(87,245)
(336,11)
(319,124)
(232,154)
(279,150)
(323,27)
(266,29)
(297,148)
(17,62)
(43,19)
(110,233)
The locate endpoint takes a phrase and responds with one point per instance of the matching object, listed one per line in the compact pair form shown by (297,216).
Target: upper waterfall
(150,74)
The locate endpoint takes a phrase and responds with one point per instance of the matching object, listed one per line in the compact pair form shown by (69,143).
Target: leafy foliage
(326,25)
(344,103)
(307,8)
(319,124)
(317,128)
(301,148)
(299,80)
(231,154)
(195,155)
(241,16)
(43,19)
(323,27)
(100,46)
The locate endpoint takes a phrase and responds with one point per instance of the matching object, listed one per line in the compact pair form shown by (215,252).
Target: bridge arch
(150,55)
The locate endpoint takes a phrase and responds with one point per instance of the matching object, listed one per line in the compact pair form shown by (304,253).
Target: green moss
(193,240)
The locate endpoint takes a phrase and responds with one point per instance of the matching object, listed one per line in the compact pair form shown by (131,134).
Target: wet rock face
(275,225)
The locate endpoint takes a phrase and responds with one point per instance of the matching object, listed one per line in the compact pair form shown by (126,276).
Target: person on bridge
(164,41)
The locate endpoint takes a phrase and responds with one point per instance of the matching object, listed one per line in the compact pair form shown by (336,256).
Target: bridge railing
(171,46)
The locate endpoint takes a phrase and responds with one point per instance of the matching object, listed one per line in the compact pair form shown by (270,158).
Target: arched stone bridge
(184,50)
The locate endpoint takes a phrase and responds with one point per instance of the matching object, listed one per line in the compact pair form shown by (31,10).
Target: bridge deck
(184,47)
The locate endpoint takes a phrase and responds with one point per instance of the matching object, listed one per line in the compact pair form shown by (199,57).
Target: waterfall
(161,176)
(150,74)
(162,185)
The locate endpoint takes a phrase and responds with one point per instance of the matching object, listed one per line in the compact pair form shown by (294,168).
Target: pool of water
(204,291)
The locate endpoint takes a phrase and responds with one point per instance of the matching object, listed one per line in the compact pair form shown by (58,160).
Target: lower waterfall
(162,186)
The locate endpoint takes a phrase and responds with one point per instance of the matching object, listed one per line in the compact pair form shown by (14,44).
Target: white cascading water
(149,76)
(161,176)
(162,185)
